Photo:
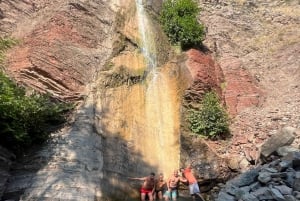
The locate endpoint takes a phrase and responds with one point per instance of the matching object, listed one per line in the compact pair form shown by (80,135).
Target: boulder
(283,137)
(267,182)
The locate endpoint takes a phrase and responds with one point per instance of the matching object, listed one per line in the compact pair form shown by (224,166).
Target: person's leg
(143,196)
(174,195)
(159,195)
(196,190)
(167,195)
(191,188)
(150,196)
(155,196)
(198,194)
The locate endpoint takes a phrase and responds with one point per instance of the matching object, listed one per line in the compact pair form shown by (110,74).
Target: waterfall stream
(160,104)
(147,40)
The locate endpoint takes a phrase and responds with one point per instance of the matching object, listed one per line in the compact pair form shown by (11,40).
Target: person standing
(160,187)
(172,184)
(192,181)
(148,186)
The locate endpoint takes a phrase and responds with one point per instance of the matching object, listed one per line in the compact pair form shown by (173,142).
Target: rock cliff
(63,43)
(256,43)
(90,51)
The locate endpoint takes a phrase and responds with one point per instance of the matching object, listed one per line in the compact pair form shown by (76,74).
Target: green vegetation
(179,21)
(5,43)
(25,120)
(211,119)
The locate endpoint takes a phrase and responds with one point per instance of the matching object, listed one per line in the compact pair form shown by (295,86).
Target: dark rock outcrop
(283,137)
(278,180)
(6,160)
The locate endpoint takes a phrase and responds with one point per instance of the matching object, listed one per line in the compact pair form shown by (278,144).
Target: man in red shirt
(193,184)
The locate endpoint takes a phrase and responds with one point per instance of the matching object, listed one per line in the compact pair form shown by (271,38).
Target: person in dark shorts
(160,187)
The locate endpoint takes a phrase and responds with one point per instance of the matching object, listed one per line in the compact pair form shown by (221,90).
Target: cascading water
(147,42)
(160,107)
(139,121)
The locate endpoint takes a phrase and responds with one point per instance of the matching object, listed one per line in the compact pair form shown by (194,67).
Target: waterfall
(147,42)
(160,104)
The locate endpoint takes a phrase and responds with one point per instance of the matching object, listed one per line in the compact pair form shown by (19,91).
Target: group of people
(160,189)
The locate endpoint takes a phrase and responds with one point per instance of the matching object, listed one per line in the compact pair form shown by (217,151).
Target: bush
(179,21)
(211,119)
(25,120)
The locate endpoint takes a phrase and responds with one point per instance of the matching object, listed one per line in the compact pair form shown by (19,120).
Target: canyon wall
(129,119)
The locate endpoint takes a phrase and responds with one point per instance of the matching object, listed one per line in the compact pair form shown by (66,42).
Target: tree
(179,21)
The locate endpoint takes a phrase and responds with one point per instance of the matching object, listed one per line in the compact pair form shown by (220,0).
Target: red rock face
(43,63)
(206,75)
(241,90)
(60,49)
(238,91)
(204,68)
(233,83)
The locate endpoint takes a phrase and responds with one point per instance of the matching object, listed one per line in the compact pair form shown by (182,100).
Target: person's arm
(165,186)
(182,179)
(154,186)
(191,164)
(137,178)
(168,184)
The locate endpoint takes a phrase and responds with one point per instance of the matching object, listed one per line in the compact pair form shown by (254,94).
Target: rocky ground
(261,37)
(276,178)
